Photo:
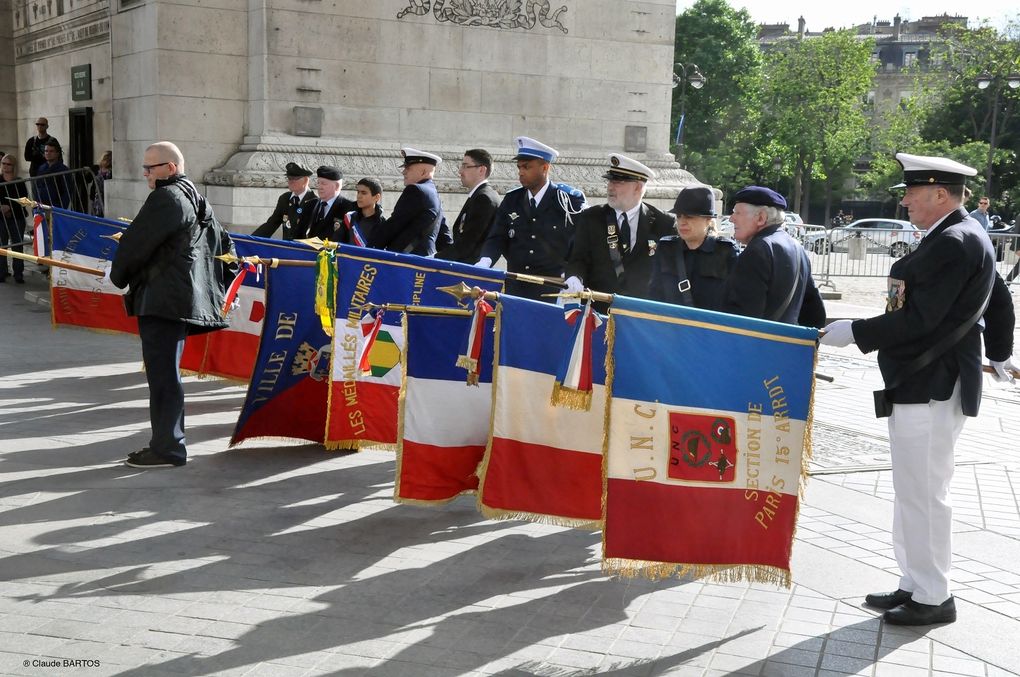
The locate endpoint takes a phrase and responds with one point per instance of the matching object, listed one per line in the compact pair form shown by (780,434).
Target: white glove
(839,333)
(484,262)
(106,275)
(1002,370)
(574,284)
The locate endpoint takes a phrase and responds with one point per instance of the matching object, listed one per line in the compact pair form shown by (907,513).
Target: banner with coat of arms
(709,437)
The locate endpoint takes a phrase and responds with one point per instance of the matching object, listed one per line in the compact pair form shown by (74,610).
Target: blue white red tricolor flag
(444,422)
(573,386)
(707,442)
(544,463)
(356,236)
(470,357)
(39,234)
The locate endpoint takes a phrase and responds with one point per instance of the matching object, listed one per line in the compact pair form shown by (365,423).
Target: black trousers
(162,347)
(12,231)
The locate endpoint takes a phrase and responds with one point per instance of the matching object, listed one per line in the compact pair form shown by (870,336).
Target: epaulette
(569,190)
(669,238)
(513,190)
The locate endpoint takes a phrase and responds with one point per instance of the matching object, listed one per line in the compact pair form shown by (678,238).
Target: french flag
(39,234)
(573,384)
(441,446)
(544,463)
(707,442)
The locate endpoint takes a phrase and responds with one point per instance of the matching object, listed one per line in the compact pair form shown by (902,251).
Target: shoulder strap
(684,285)
(793,290)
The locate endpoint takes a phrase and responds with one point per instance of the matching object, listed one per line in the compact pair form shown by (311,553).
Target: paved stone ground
(287,560)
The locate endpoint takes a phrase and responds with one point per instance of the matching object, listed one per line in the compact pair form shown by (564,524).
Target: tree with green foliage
(722,116)
(961,113)
(814,109)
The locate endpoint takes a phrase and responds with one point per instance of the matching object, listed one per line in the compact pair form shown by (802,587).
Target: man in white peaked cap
(417,217)
(533,227)
(929,352)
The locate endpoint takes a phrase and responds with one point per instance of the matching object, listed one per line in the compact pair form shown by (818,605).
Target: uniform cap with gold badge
(924,170)
(623,168)
(529,149)
(297,171)
(413,156)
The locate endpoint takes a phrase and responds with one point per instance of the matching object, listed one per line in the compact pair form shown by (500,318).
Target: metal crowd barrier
(76,189)
(870,252)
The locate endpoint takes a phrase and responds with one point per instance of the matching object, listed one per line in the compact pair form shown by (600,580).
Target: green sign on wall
(81,82)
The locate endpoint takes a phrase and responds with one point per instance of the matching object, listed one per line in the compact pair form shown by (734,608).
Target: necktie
(624,233)
(320,213)
(531,201)
(294,201)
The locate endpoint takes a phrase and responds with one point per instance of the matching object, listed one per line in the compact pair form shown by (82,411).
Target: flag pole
(258,260)
(43,261)
(461,291)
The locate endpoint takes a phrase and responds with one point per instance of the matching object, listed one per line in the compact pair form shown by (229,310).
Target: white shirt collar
(936,224)
(540,194)
(472,191)
(301,196)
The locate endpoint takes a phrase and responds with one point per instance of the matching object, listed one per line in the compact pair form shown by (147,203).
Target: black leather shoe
(887,600)
(915,613)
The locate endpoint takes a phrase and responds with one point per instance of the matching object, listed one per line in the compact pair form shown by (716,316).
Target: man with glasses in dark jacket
(166,257)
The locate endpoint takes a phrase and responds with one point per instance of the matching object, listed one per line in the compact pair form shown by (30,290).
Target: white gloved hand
(106,275)
(839,333)
(574,284)
(484,262)
(1002,370)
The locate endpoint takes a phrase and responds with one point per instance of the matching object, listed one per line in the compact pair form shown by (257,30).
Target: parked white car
(891,236)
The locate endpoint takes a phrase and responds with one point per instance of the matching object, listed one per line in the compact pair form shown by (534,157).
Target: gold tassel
(718,573)
(570,398)
(465,362)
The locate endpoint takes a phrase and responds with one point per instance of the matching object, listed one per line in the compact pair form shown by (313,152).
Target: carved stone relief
(526,14)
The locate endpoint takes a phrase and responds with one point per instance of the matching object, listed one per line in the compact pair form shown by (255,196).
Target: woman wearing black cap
(690,269)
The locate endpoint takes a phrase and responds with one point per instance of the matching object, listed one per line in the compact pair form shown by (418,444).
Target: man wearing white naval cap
(614,243)
(414,224)
(929,352)
(533,227)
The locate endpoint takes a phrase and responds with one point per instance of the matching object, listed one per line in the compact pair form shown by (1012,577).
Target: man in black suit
(772,277)
(328,213)
(534,226)
(475,218)
(614,243)
(417,216)
(929,352)
(293,208)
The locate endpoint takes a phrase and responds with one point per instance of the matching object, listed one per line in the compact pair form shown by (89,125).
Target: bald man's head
(161,161)
(167,152)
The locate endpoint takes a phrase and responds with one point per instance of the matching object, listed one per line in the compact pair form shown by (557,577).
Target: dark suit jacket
(945,281)
(325,227)
(764,275)
(414,224)
(590,259)
(297,217)
(472,226)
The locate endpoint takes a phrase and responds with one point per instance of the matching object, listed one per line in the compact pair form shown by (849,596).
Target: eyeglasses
(149,168)
(41,124)
(464,166)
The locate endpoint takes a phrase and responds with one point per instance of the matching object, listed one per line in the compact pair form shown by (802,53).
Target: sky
(821,15)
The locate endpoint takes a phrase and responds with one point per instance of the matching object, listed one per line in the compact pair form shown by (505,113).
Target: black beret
(695,201)
(296,171)
(327,172)
(760,196)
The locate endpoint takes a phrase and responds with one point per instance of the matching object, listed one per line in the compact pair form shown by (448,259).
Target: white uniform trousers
(921,438)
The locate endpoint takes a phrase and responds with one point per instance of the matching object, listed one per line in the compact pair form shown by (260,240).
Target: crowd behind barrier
(76,189)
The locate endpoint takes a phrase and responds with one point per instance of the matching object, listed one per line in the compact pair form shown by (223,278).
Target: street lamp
(984,81)
(688,73)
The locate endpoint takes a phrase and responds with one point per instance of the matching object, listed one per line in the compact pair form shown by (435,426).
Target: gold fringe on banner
(538,518)
(570,398)
(718,573)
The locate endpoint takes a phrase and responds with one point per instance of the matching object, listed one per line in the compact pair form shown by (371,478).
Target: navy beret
(760,196)
(327,172)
